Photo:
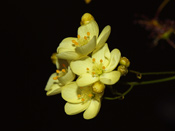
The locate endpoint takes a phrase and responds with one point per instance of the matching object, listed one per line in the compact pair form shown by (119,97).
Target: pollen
(78,95)
(103,67)
(85,37)
(82,99)
(78,36)
(57,71)
(74,41)
(93,73)
(90,95)
(88,33)
(63,70)
(56,77)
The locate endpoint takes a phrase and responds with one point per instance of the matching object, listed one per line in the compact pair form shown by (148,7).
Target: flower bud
(54,58)
(86,18)
(123,70)
(98,87)
(124,61)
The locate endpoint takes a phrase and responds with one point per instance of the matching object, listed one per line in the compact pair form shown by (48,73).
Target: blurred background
(34,30)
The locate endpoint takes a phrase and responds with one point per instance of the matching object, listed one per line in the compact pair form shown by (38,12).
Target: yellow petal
(80,66)
(73,109)
(103,37)
(114,60)
(91,27)
(92,110)
(51,81)
(102,54)
(68,55)
(67,78)
(110,78)
(69,93)
(66,44)
(86,79)
(55,89)
(87,48)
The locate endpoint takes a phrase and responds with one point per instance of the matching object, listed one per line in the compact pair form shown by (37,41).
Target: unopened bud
(54,58)
(98,87)
(123,70)
(124,61)
(86,18)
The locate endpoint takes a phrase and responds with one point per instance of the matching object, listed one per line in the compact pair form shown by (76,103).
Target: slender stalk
(153,73)
(151,81)
(132,84)
(139,74)
(160,8)
(120,96)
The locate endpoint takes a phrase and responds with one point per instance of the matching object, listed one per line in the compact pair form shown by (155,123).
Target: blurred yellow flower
(81,99)
(99,67)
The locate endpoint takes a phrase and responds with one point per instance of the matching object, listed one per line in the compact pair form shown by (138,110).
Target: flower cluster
(85,66)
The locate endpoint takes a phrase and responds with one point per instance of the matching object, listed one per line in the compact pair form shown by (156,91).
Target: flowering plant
(86,66)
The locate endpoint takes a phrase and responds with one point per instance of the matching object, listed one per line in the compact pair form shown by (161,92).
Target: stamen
(88,33)
(93,73)
(82,99)
(87,69)
(75,43)
(56,77)
(63,70)
(90,95)
(57,71)
(78,36)
(103,67)
(78,95)
(85,37)
(101,60)
(93,59)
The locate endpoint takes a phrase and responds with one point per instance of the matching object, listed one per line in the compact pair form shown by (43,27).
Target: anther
(82,99)
(63,70)
(85,37)
(78,95)
(93,73)
(57,71)
(101,60)
(88,33)
(78,36)
(93,59)
(56,77)
(90,95)
(103,67)
(75,43)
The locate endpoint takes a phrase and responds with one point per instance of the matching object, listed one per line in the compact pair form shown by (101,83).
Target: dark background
(34,29)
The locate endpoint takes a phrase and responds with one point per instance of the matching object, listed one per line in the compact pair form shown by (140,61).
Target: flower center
(81,40)
(61,72)
(85,93)
(97,69)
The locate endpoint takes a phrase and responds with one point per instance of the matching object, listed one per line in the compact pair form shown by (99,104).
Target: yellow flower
(87,41)
(99,67)
(81,99)
(59,79)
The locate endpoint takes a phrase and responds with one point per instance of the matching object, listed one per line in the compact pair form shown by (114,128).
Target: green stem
(160,8)
(151,81)
(153,73)
(120,96)
(132,84)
